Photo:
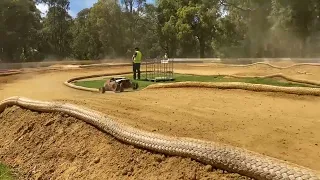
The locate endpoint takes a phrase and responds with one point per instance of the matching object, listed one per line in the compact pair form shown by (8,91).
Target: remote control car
(118,84)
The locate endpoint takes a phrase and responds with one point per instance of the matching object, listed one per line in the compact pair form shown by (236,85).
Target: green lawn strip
(90,84)
(198,78)
(5,173)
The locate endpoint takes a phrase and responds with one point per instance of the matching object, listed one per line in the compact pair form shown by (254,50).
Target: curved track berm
(221,156)
(279,75)
(274,66)
(240,85)
(9,73)
(222,85)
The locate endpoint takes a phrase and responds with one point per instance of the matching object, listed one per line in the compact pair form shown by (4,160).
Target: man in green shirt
(137,57)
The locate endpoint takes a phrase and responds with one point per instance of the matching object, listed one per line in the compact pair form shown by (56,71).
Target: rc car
(118,84)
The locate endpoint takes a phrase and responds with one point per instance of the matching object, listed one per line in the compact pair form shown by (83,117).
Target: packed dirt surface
(300,72)
(275,124)
(55,146)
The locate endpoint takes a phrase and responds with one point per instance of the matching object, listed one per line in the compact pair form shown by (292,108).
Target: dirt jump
(42,140)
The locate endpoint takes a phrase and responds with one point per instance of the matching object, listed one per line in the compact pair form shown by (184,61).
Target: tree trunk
(26,53)
(303,48)
(131,6)
(202,47)
(9,55)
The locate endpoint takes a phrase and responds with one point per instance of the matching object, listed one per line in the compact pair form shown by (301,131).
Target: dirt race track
(53,146)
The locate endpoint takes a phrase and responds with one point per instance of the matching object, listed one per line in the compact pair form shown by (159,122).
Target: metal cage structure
(159,70)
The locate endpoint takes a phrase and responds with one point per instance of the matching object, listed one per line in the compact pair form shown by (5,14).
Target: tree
(193,28)
(147,31)
(249,27)
(56,31)
(200,19)
(105,22)
(19,26)
(275,28)
(132,21)
(82,44)
(190,25)
(167,32)
(294,20)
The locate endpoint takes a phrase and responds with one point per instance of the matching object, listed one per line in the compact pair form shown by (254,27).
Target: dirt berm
(56,146)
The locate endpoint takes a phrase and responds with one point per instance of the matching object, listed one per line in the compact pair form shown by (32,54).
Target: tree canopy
(182,28)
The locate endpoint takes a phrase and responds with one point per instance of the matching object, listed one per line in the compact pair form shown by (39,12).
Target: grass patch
(90,84)
(198,78)
(5,173)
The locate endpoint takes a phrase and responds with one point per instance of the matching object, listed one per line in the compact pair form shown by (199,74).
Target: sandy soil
(276,124)
(300,72)
(55,146)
